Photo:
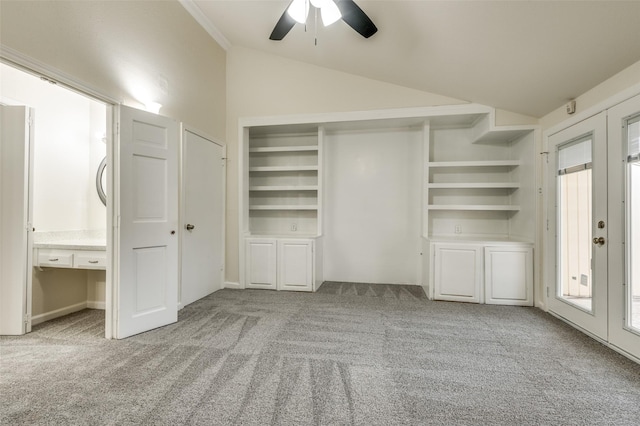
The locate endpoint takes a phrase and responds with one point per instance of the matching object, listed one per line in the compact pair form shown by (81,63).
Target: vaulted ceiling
(528,57)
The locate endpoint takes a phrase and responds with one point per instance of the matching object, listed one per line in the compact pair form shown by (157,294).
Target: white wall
(372,206)
(127,50)
(625,79)
(65,125)
(260,84)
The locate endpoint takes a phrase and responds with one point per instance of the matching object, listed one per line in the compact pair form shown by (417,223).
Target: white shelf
(284,207)
(471,185)
(284,188)
(496,163)
(283,168)
(479,207)
(267,149)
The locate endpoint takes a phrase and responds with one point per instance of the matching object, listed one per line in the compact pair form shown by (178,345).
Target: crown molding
(202,19)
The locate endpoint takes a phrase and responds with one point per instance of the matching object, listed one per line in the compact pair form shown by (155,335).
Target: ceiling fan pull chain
(316,27)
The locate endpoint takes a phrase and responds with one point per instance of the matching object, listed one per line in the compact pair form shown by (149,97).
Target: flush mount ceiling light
(330,10)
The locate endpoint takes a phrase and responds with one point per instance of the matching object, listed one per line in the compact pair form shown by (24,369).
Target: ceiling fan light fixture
(330,13)
(298,10)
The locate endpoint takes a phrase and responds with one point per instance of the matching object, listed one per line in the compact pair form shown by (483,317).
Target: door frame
(182,202)
(619,335)
(595,321)
(27,64)
(547,238)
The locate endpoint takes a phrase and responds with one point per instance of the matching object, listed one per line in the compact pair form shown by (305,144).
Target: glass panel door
(624,202)
(578,225)
(574,184)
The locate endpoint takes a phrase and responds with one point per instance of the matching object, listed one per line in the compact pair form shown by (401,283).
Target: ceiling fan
(331,11)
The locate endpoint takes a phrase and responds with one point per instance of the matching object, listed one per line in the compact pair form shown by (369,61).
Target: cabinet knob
(189,227)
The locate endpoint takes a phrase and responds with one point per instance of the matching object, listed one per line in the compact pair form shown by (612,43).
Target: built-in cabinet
(499,273)
(282,195)
(280,264)
(478,200)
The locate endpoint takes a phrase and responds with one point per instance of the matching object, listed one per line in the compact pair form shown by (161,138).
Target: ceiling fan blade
(283,26)
(356,18)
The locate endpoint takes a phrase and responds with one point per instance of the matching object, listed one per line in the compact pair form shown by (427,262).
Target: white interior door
(146,277)
(624,231)
(203,216)
(577,216)
(16,160)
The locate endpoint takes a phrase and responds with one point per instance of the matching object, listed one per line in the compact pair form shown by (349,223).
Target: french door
(594,225)
(578,223)
(624,233)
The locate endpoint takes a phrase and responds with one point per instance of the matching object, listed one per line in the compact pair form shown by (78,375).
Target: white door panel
(147,196)
(260,263)
(16,160)
(578,187)
(624,233)
(458,272)
(295,265)
(203,211)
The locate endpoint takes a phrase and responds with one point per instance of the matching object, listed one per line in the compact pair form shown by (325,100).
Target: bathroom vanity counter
(70,249)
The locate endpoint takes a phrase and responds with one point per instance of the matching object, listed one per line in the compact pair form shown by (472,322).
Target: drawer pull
(54,260)
(93,261)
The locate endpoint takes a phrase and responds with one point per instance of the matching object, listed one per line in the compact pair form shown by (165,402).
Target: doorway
(69,142)
(594,182)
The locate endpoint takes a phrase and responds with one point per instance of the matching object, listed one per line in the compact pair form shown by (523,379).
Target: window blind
(575,156)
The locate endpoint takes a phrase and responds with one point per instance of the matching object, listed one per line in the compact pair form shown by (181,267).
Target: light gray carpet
(349,354)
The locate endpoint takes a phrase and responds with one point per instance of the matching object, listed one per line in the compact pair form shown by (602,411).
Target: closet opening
(67,177)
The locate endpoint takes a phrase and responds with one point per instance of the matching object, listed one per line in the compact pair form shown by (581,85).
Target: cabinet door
(458,272)
(509,275)
(295,265)
(260,263)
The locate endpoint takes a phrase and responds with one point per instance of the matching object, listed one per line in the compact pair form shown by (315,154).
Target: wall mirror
(101,181)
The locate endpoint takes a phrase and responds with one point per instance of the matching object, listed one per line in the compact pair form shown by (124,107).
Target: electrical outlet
(294,227)
(458,229)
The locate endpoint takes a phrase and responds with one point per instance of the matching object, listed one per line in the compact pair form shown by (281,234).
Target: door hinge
(547,224)
(27,318)
(30,120)
(547,291)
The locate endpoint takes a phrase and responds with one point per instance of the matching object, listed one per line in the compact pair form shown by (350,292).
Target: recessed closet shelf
(284,207)
(472,185)
(496,163)
(473,207)
(284,188)
(283,168)
(267,149)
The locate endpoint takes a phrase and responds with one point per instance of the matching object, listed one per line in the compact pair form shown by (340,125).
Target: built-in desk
(70,249)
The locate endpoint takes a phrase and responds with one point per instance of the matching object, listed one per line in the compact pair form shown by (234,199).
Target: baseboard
(96,305)
(229,284)
(38,319)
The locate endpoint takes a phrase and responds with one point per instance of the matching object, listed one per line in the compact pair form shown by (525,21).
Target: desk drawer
(55,258)
(90,260)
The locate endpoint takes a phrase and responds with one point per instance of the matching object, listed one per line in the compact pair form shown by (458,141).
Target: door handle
(189,227)
(598,241)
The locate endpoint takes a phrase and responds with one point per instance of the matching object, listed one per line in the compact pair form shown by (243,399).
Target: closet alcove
(439,197)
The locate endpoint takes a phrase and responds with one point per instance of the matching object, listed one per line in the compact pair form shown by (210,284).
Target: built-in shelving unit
(476,182)
(283,169)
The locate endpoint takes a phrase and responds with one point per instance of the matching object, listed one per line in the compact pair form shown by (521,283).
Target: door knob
(599,241)
(189,227)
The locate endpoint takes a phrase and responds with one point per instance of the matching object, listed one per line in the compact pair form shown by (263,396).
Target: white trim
(382,114)
(234,285)
(95,305)
(28,64)
(38,319)
(596,109)
(204,21)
